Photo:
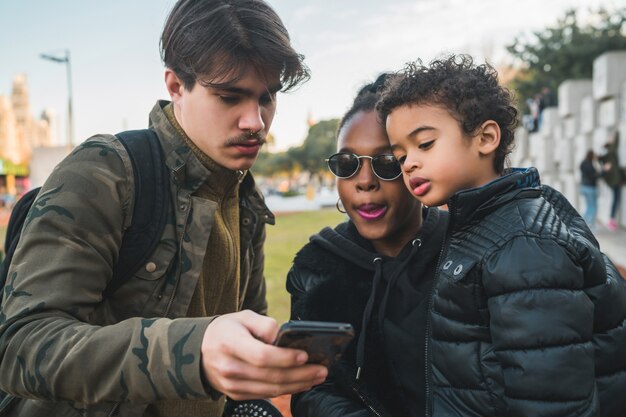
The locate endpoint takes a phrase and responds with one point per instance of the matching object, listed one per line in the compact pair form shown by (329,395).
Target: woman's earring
(339,207)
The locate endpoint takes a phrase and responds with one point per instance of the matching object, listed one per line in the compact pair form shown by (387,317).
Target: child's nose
(410,164)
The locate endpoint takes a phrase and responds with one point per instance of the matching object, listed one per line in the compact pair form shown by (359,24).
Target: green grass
(284,240)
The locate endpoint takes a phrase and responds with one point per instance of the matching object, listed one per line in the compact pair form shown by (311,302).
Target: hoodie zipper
(428,367)
(371,408)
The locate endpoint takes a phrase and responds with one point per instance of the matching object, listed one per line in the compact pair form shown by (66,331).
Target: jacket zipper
(114,410)
(372,409)
(427,365)
(180,259)
(240,176)
(171,300)
(230,236)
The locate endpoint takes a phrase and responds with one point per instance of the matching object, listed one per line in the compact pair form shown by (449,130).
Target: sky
(117,75)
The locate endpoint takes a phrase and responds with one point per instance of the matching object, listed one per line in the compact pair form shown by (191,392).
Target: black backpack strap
(14,230)
(152,198)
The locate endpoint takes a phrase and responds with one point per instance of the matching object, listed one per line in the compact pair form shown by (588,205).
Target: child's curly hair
(469,92)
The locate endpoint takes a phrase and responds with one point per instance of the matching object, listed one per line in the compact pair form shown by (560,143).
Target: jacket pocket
(159,262)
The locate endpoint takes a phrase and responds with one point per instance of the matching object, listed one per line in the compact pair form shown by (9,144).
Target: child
(527,317)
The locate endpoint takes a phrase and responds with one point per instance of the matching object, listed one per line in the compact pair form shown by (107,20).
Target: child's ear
(489,137)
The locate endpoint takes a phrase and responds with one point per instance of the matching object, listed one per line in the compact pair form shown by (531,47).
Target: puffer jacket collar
(475,203)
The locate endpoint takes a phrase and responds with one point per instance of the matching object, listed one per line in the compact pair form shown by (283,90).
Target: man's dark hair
(365,100)
(469,92)
(204,40)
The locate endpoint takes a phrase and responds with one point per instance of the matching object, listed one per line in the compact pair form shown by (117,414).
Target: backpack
(149,213)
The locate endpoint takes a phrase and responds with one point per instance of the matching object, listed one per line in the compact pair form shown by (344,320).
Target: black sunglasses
(344,165)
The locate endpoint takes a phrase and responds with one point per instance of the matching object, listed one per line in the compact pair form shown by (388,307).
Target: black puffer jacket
(336,277)
(527,315)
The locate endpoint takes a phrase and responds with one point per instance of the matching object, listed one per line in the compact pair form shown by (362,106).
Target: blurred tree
(264,163)
(565,51)
(319,144)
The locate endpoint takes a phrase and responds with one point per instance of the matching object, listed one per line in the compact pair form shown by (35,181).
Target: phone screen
(323,341)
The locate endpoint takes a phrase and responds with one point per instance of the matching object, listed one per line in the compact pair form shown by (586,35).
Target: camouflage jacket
(65,350)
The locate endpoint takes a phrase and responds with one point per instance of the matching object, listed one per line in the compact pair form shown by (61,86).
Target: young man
(527,317)
(173,339)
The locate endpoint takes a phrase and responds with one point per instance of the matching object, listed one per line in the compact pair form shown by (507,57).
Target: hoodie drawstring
(360,349)
(415,245)
(378,262)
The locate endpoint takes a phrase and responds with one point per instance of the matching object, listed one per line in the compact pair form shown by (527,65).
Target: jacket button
(458,269)
(150,267)
(183,207)
(245,221)
(447,265)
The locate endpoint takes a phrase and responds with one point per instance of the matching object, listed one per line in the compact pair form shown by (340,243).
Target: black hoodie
(338,276)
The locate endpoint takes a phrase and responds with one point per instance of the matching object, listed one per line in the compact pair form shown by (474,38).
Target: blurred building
(20,132)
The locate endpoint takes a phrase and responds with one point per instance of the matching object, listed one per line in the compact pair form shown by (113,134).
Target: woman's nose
(366,180)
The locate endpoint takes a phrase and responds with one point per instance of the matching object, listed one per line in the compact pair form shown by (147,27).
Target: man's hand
(239,360)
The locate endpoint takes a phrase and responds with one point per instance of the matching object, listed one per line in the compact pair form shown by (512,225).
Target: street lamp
(65,60)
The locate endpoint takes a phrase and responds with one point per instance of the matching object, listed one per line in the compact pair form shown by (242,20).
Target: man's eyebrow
(247,92)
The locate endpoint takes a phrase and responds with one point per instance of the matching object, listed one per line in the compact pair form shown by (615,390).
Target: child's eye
(426,145)
(401,159)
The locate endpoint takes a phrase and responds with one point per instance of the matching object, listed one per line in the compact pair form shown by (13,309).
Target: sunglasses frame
(358,167)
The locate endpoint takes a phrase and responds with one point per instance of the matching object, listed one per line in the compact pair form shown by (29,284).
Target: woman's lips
(420,186)
(371,211)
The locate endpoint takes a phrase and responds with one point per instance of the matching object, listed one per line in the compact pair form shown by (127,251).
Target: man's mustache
(245,139)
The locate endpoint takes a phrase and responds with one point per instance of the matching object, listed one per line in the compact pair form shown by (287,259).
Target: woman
(358,273)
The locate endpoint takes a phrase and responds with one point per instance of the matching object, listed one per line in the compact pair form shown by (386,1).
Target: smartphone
(324,341)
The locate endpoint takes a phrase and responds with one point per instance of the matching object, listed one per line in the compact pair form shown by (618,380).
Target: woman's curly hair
(469,92)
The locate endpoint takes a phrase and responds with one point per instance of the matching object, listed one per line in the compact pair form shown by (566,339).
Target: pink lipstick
(371,211)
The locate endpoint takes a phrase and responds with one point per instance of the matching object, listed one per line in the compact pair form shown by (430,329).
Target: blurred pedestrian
(613,176)
(544,99)
(533,106)
(589,187)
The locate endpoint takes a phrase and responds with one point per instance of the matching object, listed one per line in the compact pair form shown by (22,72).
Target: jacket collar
(249,191)
(476,203)
(188,171)
(185,168)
